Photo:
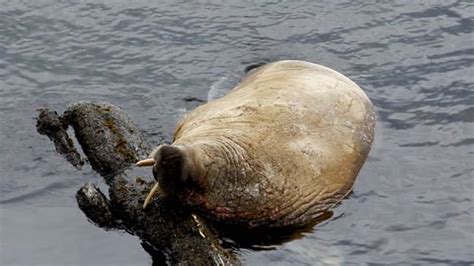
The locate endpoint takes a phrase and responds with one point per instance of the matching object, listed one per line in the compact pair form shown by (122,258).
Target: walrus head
(171,169)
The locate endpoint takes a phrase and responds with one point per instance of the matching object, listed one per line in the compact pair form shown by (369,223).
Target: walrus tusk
(150,195)
(146,162)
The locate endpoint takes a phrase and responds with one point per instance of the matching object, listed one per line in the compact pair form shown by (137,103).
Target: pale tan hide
(283,146)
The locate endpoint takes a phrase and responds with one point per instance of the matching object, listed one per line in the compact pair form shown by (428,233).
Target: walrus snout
(169,170)
(169,164)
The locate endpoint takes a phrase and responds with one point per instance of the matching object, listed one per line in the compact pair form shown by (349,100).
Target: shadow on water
(235,237)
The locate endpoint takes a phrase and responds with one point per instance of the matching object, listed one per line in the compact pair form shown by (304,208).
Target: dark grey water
(413,200)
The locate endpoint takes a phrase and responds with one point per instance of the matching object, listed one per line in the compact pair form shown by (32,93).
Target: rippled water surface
(413,200)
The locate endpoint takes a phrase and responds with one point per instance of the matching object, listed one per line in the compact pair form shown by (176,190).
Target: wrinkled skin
(112,143)
(279,150)
(284,146)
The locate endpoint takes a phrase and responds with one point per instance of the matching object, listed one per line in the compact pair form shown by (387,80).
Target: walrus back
(282,147)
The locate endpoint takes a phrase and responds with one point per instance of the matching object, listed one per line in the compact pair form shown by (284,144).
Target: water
(413,200)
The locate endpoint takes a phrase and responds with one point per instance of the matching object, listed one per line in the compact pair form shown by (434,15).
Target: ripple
(35,192)
(412,201)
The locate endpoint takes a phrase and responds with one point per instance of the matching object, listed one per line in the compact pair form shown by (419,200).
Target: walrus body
(283,146)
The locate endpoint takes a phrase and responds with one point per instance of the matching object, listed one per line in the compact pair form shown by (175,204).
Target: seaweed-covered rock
(108,137)
(112,143)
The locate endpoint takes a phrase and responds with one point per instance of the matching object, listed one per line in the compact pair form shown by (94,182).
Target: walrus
(280,149)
